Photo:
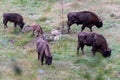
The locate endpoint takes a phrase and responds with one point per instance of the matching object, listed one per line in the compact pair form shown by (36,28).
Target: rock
(41,71)
(26,29)
(56,32)
(49,37)
(57,37)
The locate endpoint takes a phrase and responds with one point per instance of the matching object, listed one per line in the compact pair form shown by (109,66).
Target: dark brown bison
(86,18)
(16,18)
(95,40)
(33,28)
(43,52)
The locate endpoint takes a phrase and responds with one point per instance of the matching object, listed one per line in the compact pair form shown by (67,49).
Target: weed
(99,77)
(87,76)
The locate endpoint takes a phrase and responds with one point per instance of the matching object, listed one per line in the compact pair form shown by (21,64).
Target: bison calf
(86,18)
(34,28)
(43,52)
(95,40)
(16,18)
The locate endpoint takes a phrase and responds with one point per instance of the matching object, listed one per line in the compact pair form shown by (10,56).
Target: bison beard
(95,40)
(86,18)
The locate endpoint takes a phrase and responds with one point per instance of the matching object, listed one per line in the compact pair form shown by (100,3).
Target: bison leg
(42,59)
(33,32)
(82,47)
(78,47)
(68,29)
(15,25)
(5,23)
(90,27)
(38,56)
(38,33)
(83,27)
(93,50)
(69,23)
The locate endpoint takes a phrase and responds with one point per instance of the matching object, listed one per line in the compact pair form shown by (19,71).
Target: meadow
(18,56)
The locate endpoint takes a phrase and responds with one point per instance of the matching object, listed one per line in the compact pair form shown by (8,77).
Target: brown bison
(86,18)
(16,18)
(43,52)
(95,40)
(33,28)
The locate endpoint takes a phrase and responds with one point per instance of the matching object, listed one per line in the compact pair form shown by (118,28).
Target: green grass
(18,55)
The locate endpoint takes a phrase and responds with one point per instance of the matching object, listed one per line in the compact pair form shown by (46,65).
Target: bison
(95,40)
(86,18)
(43,52)
(16,18)
(33,28)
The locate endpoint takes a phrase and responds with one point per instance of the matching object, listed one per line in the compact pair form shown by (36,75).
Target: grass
(18,56)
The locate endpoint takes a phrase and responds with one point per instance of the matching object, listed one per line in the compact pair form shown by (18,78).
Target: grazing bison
(33,28)
(95,40)
(86,18)
(43,52)
(16,18)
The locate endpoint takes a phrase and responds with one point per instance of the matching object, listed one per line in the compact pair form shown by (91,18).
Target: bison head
(21,25)
(107,53)
(99,24)
(48,60)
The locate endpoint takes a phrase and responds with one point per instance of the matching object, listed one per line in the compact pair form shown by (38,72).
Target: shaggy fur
(15,18)
(34,28)
(43,52)
(95,40)
(86,18)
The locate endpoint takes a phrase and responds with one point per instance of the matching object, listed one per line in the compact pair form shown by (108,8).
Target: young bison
(34,28)
(16,18)
(43,52)
(95,40)
(86,18)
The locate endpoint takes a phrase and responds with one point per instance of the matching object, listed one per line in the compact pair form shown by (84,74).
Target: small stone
(41,71)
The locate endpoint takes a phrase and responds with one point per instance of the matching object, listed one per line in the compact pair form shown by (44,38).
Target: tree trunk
(62,17)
